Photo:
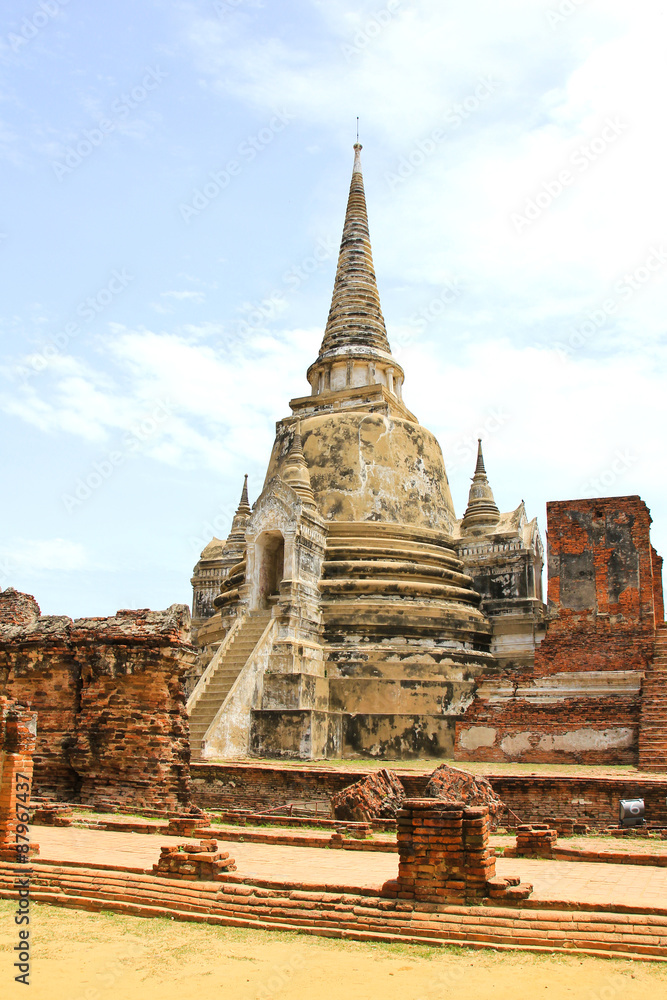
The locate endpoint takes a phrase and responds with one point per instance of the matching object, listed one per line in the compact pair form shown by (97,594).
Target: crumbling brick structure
(581,701)
(536,841)
(109,694)
(377,796)
(444,854)
(186,862)
(17,743)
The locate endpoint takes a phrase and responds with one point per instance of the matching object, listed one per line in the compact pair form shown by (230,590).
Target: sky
(174,179)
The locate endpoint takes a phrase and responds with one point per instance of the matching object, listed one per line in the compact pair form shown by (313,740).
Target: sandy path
(83,956)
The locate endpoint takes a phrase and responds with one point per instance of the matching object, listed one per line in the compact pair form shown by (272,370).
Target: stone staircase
(215,685)
(653,717)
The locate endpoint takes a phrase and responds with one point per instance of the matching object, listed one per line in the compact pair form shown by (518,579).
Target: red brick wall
(601,586)
(110,699)
(534,799)
(37,668)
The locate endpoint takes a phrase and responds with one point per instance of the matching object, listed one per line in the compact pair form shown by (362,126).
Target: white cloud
(35,557)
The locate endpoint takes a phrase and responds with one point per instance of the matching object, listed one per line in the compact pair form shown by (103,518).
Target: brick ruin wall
(581,701)
(109,694)
(530,798)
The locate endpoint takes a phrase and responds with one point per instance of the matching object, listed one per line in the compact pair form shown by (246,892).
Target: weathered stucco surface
(370,466)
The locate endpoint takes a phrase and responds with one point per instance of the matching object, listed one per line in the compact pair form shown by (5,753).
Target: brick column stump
(18,728)
(444,855)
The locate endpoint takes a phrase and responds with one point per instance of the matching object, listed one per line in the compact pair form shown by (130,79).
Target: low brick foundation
(341,911)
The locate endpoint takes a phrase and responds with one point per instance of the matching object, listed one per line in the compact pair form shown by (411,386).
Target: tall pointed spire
(355,317)
(355,349)
(481,511)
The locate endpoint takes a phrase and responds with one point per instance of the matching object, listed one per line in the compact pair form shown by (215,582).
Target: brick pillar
(18,727)
(444,856)
(444,851)
(479,858)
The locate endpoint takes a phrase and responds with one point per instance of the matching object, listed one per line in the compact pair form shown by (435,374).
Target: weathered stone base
(298,734)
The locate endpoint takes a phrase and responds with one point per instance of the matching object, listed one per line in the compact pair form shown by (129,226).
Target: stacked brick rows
(17,744)
(45,813)
(184,862)
(653,729)
(444,853)
(535,841)
(340,911)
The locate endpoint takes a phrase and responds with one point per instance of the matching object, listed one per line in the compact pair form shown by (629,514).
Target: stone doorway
(271,562)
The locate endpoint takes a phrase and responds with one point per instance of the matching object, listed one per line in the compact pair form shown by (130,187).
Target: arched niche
(270,567)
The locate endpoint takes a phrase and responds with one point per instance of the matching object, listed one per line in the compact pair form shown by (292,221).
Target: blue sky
(174,178)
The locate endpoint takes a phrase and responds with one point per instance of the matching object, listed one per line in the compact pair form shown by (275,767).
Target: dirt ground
(84,956)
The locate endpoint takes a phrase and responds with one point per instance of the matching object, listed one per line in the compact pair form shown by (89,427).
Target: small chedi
(445,857)
(351,613)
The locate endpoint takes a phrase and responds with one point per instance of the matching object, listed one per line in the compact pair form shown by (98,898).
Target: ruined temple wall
(37,668)
(110,701)
(581,702)
(602,586)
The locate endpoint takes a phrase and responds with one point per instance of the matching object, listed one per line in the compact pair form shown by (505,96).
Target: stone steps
(344,912)
(220,683)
